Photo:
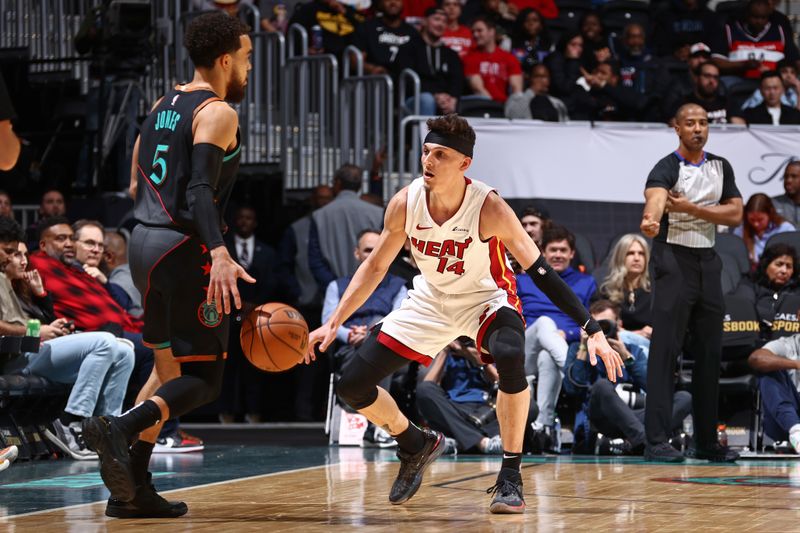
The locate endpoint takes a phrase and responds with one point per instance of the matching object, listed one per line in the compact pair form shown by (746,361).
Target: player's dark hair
(452,126)
(556,234)
(771,74)
(47,223)
(10,230)
(603,305)
(211,35)
(365,231)
(82,223)
(349,177)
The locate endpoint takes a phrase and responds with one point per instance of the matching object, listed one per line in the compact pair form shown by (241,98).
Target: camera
(609,328)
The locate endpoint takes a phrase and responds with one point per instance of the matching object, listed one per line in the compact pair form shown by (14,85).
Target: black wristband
(561,295)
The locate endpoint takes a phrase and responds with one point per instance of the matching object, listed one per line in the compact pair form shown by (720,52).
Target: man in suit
(241,386)
(771,110)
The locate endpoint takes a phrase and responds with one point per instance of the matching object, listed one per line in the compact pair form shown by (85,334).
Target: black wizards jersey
(165,162)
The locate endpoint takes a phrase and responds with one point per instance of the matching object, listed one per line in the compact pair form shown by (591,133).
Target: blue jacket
(536,304)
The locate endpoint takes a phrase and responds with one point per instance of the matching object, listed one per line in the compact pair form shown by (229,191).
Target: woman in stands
(761,221)
(595,42)
(628,286)
(565,66)
(775,279)
(530,41)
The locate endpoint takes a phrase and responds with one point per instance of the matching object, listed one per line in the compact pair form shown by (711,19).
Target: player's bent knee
(507,347)
(355,392)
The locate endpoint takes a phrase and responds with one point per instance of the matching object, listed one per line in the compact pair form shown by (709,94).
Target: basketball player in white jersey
(459,229)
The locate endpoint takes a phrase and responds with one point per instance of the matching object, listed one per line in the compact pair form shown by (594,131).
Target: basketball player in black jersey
(185,162)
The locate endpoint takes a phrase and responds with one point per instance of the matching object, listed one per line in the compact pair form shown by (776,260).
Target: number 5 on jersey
(159,163)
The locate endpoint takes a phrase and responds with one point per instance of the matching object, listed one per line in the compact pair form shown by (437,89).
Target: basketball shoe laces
(505,487)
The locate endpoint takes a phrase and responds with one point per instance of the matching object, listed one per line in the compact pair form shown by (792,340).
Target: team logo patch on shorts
(208,315)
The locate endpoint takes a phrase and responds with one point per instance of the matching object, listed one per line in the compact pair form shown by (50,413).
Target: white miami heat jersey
(451,257)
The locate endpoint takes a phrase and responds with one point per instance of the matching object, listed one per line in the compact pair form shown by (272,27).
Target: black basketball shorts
(172,271)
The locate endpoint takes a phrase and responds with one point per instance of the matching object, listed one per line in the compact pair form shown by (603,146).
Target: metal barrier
(355,53)
(302,35)
(366,104)
(411,158)
(310,123)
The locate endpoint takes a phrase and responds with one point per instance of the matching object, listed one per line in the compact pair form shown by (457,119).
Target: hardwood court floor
(350,493)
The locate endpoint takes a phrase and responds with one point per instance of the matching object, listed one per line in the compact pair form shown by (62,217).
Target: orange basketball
(274,337)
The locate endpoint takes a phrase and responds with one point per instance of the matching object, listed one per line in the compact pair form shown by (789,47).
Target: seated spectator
(595,42)
(76,294)
(535,222)
(6,209)
(456,36)
(603,409)
(707,95)
(387,297)
(788,205)
(748,46)
(791,84)
(457,397)
(387,42)
(627,286)
(439,68)
(536,102)
(89,248)
(761,221)
(491,71)
(51,205)
(775,279)
(338,23)
(602,96)
(771,110)
(640,72)
(683,70)
(115,263)
(681,22)
(778,363)
(497,12)
(530,42)
(547,8)
(549,329)
(565,65)
(97,365)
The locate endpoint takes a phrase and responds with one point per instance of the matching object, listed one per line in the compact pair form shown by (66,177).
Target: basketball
(274,337)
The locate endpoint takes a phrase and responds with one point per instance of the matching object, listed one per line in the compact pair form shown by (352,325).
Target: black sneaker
(412,466)
(663,453)
(103,435)
(507,493)
(146,504)
(716,454)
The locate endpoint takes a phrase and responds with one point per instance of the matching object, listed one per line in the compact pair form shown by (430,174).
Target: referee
(687,194)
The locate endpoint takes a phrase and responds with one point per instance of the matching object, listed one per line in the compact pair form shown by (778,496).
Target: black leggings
(199,383)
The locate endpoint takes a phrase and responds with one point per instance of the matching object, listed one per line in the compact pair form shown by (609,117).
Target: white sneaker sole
(10,454)
(182,449)
(88,456)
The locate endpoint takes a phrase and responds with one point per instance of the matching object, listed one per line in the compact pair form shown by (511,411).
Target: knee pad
(355,393)
(507,347)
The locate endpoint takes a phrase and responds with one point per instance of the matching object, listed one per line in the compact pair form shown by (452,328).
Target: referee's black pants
(687,306)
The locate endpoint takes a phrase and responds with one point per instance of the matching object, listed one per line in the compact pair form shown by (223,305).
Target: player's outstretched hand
(597,344)
(324,336)
(649,226)
(222,283)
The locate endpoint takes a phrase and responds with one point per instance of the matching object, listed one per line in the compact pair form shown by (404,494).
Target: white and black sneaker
(379,438)
(179,442)
(70,440)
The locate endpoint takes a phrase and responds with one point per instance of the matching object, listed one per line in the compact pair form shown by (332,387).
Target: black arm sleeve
(664,174)
(206,166)
(560,294)
(729,188)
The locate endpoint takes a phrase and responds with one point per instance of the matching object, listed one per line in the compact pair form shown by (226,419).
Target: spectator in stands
(115,263)
(761,221)
(335,227)
(96,364)
(89,249)
(52,204)
(9,142)
(595,42)
(771,110)
(535,222)
(749,46)
(627,286)
(337,21)
(456,397)
(547,8)
(241,387)
(775,279)
(788,205)
(387,297)
(387,42)
(536,102)
(602,402)
(549,329)
(778,363)
(530,41)
(440,70)
(791,84)
(456,36)
(640,72)
(683,76)
(497,12)
(6,209)
(565,66)
(602,96)
(491,71)
(683,22)
(707,95)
